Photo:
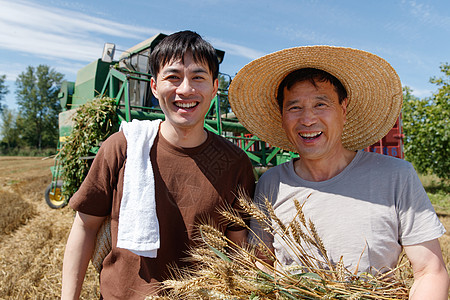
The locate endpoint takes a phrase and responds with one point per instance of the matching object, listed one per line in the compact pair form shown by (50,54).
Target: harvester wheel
(56,199)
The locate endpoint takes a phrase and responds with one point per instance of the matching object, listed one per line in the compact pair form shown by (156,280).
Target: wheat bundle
(224,270)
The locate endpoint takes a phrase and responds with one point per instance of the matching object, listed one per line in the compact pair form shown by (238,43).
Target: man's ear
(216,87)
(153,86)
(344,108)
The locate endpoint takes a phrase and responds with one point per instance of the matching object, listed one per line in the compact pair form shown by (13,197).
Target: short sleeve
(418,221)
(94,197)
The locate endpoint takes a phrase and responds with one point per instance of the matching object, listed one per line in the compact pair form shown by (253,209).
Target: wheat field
(33,236)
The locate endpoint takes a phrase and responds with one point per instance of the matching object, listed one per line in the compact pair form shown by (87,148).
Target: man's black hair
(176,45)
(312,75)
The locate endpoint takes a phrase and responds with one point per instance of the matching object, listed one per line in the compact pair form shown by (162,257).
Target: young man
(328,103)
(194,171)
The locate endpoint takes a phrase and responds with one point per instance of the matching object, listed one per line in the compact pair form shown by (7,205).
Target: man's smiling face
(185,90)
(313,119)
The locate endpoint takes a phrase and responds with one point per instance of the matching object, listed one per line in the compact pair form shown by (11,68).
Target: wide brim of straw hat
(374,93)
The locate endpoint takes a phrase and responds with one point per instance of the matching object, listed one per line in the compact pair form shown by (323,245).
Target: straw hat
(374,92)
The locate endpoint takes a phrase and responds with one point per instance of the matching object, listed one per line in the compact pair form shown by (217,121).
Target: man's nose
(308,117)
(185,88)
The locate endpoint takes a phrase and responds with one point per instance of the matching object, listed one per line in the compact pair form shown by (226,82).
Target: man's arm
(431,280)
(79,248)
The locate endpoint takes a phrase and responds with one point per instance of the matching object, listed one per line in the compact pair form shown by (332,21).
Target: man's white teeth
(185,105)
(310,134)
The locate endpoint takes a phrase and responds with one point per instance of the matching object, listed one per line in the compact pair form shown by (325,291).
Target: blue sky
(413,36)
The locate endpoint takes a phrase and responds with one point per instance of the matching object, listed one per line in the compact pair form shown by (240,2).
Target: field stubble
(33,236)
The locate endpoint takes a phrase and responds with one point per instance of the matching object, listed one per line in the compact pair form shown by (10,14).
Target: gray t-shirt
(365,213)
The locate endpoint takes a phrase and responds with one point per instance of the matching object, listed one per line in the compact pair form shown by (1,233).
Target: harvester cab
(136,60)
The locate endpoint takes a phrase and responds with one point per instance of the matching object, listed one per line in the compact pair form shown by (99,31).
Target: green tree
(3,91)
(9,128)
(36,94)
(426,128)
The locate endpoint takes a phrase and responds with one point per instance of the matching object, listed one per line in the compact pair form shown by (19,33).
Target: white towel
(138,222)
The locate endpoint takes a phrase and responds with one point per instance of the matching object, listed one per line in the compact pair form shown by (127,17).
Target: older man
(328,103)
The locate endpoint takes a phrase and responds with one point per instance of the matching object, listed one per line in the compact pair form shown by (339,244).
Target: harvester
(127,81)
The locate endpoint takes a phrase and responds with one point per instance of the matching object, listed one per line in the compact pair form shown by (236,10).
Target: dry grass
(15,212)
(34,236)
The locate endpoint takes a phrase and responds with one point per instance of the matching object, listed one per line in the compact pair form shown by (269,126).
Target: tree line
(35,123)
(426,127)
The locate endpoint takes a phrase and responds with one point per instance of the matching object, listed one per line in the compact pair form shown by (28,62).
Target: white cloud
(428,14)
(54,33)
(30,15)
(233,49)
(422,93)
(11,70)
(307,37)
(47,44)
(59,33)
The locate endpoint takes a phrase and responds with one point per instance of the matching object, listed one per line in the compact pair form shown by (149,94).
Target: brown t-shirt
(190,184)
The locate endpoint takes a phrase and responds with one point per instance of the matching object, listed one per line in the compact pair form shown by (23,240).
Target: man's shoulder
(116,143)
(276,172)
(117,138)
(383,163)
